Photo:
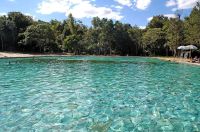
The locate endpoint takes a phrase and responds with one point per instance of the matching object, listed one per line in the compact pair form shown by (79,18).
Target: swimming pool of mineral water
(98,94)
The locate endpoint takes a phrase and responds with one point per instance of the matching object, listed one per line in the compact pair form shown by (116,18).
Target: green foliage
(11,27)
(21,21)
(39,38)
(135,35)
(71,44)
(175,34)
(162,36)
(90,41)
(7,34)
(157,22)
(72,24)
(154,41)
(192,26)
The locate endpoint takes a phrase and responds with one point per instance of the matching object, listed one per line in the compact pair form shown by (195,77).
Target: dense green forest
(161,37)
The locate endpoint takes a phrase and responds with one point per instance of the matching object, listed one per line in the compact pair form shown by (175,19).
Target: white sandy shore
(22,55)
(178,60)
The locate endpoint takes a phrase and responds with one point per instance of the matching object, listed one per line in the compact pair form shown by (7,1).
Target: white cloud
(170,3)
(51,6)
(170,15)
(117,7)
(124,2)
(142,4)
(3,14)
(174,9)
(149,19)
(181,4)
(11,0)
(79,9)
(87,10)
(142,27)
(186,4)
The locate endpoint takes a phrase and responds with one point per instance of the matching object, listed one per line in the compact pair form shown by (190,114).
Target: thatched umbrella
(188,47)
(191,47)
(181,48)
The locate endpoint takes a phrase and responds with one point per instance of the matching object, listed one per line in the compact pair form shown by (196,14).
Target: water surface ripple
(98,94)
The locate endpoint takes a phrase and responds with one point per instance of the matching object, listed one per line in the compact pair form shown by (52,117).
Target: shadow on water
(55,61)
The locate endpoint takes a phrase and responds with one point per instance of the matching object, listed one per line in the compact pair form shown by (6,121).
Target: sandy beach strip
(177,60)
(23,55)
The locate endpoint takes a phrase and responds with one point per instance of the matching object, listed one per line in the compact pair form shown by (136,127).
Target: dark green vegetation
(162,36)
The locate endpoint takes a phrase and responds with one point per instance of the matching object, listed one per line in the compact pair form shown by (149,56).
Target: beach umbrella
(181,48)
(191,47)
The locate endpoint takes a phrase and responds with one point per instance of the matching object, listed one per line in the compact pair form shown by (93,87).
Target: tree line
(161,37)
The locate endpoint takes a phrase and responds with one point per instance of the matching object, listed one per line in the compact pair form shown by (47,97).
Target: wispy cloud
(117,6)
(139,4)
(171,3)
(79,9)
(170,15)
(124,2)
(181,4)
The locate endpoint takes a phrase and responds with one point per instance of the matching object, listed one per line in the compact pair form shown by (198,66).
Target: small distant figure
(186,55)
(196,60)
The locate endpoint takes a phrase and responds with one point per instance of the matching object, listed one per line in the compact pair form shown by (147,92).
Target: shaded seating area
(186,53)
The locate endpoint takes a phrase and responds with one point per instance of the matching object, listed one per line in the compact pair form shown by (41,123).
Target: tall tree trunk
(40,49)
(174,52)
(167,52)
(136,49)
(110,50)
(2,43)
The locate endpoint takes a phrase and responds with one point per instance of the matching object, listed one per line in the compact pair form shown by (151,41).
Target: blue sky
(135,12)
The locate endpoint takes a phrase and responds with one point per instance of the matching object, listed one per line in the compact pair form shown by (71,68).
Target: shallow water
(98,94)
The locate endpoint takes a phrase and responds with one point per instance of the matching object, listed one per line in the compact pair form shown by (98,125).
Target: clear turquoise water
(98,94)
